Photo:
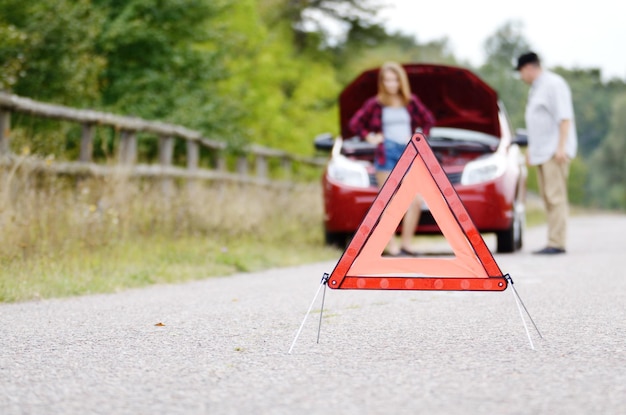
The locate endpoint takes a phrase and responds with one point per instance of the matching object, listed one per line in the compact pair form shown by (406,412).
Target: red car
(472,138)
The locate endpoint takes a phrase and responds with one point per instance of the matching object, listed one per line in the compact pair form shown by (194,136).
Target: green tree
(11,56)
(592,104)
(502,50)
(47,50)
(286,95)
(368,45)
(308,20)
(608,162)
(163,59)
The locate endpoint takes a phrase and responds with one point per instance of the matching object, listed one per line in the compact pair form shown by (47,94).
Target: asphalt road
(222,348)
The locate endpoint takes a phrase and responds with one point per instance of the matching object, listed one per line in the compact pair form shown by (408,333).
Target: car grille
(373,181)
(454,178)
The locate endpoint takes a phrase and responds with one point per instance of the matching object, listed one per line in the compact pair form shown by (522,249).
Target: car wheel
(505,241)
(338,239)
(511,240)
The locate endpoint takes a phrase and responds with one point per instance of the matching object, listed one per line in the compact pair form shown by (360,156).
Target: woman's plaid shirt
(369,118)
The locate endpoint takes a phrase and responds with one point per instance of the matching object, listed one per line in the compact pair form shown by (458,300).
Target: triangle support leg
(520,305)
(323,283)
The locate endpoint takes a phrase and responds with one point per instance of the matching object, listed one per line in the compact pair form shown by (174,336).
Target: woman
(388,120)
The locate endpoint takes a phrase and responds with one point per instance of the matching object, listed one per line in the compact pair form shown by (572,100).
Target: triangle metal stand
(324,283)
(520,305)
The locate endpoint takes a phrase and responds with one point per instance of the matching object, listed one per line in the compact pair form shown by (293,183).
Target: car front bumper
(489,207)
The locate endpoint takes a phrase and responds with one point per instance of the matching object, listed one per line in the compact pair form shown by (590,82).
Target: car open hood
(456,97)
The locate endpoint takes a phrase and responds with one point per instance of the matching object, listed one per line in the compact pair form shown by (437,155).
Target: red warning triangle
(362,265)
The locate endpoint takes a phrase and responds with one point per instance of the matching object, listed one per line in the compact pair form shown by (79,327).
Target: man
(552,142)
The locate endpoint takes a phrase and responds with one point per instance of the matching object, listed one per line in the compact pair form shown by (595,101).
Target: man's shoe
(550,250)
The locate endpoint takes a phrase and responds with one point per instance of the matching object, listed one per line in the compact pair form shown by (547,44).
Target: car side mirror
(521,137)
(324,142)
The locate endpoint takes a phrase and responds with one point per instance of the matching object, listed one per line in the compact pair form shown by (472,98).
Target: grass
(62,237)
(146,261)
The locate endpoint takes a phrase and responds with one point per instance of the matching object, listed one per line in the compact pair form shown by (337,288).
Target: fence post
(261,166)
(5,130)
(86,143)
(128,148)
(220,163)
(193,154)
(166,153)
(286,165)
(166,150)
(193,159)
(242,165)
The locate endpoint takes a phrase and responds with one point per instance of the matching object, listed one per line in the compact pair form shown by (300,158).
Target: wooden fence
(126,129)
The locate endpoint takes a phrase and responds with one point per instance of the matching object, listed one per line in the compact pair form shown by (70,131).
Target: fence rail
(127,129)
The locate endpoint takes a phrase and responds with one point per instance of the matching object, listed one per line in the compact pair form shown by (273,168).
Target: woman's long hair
(405,90)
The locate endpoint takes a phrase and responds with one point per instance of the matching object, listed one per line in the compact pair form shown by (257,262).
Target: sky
(586,34)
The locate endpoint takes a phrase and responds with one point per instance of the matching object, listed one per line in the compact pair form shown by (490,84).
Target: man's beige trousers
(552,178)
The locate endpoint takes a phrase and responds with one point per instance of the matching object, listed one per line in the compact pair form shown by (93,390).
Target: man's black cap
(526,58)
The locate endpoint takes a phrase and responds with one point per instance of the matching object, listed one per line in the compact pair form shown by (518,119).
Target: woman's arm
(367,119)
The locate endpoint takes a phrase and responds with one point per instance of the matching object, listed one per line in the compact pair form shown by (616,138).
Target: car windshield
(460,135)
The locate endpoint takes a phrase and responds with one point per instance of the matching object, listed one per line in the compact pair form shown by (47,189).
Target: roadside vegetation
(61,238)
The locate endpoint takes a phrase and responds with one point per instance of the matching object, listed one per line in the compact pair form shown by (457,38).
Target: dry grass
(62,236)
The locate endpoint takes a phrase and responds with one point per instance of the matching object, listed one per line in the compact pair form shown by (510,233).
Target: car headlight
(348,172)
(483,169)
